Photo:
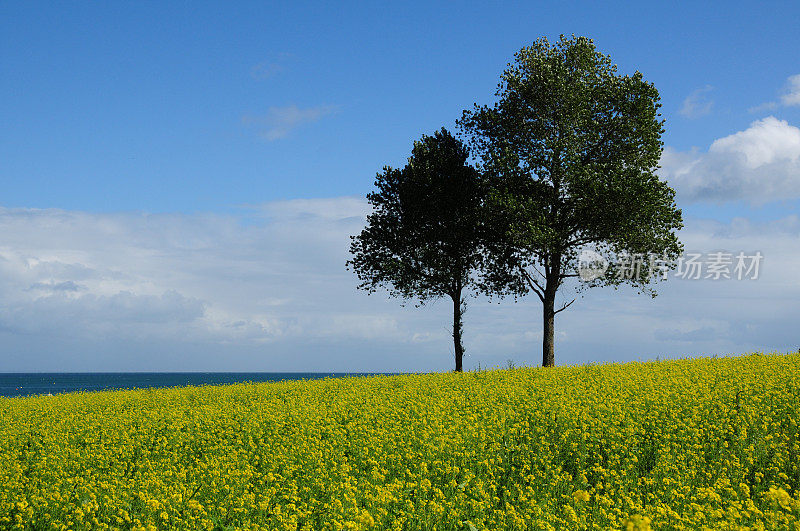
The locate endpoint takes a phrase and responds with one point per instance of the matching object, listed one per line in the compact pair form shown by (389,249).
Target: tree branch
(535,286)
(578,241)
(537,270)
(567,305)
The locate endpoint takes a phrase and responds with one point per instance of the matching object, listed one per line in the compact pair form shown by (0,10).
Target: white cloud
(192,280)
(697,103)
(339,208)
(759,164)
(83,291)
(764,142)
(792,95)
(278,122)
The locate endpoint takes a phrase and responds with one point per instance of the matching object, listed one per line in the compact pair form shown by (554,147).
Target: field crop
(689,444)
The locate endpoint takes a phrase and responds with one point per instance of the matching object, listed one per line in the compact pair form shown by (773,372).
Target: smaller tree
(422,240)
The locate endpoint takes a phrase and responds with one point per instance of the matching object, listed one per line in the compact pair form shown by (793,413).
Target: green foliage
(422,238)
(570,149)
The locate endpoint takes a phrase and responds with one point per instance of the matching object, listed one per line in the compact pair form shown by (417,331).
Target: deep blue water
(41,383)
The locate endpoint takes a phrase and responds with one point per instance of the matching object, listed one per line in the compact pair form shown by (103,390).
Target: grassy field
(690,444)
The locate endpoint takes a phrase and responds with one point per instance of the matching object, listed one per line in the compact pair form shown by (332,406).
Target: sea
(44,383)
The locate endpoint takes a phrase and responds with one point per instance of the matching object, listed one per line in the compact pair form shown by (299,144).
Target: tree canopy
(569,151)
(422,240)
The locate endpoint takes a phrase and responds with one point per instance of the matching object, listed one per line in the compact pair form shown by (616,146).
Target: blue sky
(145,106)
(140,140)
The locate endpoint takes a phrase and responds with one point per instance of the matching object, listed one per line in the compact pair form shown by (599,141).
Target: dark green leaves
(422,238)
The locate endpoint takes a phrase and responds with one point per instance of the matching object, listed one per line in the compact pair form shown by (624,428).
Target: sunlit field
(688,444)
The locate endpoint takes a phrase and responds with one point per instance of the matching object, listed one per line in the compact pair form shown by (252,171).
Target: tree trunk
(549,314)
(457,344)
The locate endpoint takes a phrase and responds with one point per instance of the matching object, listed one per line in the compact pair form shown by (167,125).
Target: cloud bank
(759,164)
(268,291)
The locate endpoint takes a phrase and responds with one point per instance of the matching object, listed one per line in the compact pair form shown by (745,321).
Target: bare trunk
(549,314)
(458,346)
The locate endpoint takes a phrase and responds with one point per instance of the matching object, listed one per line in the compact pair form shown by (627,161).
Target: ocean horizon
(19,384)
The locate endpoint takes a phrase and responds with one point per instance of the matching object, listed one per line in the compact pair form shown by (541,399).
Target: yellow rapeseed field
(690,444)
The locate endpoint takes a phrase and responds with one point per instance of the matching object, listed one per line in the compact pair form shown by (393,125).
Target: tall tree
(422,238)
(570,150)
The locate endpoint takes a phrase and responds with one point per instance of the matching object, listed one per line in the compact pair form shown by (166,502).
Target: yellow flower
(581,496)
(637,522)
(498,449)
